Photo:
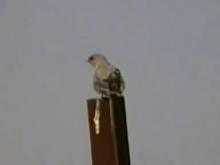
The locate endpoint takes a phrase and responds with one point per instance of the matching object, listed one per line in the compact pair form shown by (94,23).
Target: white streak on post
(97,117)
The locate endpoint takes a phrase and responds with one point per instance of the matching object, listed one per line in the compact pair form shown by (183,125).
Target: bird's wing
(116,82)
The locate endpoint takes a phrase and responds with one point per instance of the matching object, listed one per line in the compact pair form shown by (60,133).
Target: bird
(107,79)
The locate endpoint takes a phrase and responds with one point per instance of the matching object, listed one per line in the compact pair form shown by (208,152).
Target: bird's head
(97,60)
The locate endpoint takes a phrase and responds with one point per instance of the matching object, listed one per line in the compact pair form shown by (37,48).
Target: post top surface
(105,98)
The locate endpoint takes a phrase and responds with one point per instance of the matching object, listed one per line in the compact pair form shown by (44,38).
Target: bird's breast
(102,73)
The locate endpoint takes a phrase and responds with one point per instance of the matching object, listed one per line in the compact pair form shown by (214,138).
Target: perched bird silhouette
(107,79)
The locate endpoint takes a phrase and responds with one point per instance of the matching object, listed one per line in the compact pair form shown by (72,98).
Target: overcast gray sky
(169,54)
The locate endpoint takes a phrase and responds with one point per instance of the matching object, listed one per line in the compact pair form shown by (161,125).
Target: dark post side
(110,145)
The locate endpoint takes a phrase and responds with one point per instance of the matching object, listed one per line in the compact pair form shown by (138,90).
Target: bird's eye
(91,58)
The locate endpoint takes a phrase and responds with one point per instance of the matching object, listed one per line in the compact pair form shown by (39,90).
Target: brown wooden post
(110,146)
